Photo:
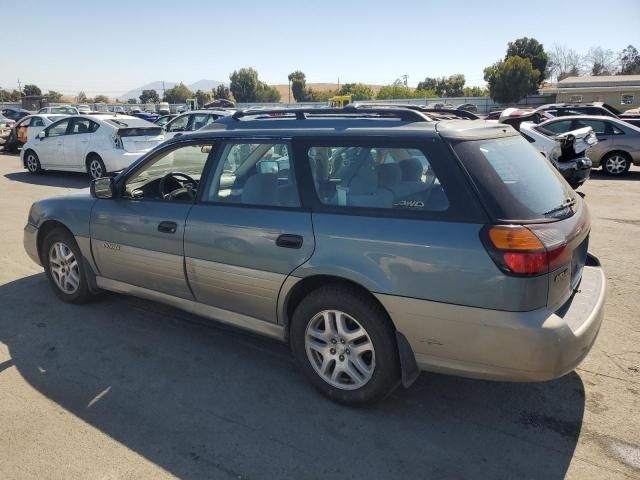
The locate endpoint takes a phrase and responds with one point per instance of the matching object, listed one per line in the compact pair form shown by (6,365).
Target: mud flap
(408,366)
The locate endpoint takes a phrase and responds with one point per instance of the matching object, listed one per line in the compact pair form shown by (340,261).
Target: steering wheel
(188,188)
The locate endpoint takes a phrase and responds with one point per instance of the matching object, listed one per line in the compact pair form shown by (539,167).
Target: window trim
(242,140)
(464,206)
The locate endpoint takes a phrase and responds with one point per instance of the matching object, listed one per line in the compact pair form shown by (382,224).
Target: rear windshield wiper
(569,202)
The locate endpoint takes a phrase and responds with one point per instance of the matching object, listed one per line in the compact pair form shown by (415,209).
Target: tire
(368,329)
(95,166)
(32,162)
(62,259)
(616,164)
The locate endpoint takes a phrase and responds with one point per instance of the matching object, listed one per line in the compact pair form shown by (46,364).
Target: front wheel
(33,163)
(344,343)
(616,164)
(63,265)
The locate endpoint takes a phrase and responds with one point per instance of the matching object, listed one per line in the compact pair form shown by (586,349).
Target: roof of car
(571,105)
(617,121)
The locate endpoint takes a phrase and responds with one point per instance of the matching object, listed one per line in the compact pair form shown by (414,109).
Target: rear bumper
(30,242)
(509,346)
(115,160)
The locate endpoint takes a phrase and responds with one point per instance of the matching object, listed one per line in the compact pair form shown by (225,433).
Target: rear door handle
(289,241)
(167,227)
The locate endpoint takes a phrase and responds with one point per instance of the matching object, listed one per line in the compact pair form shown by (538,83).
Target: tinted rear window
(139,132)
(515,181)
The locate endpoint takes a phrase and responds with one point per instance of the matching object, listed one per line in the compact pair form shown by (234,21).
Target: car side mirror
(41,135)
(103,187)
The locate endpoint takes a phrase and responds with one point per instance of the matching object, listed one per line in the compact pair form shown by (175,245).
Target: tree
(427,84)
(244,83)
(600,61)
(54,96)
(177,94)
(132,101)
(203,97)
(630,61)
(533,50)
(221,92)
(266,94)
(474,91)
(422,93)
(358,91)
(149,96)
(320,95)
(299,86)
(101,99)
(564,62)
(30,90)
(395,90)
(9,95)
(450,87)
(511,79)
(82,97)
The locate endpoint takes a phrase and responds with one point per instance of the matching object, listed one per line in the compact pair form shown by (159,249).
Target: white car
(96,144)
(84,109)
(60,109)
(192,121)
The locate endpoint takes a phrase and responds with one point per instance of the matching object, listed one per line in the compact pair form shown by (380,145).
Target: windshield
(515,182)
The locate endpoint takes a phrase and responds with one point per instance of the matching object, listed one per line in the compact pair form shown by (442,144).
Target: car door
(50,147)
(248,232)
(22,129)
(137,237)
(35,127)
(604,133)
(177,125)
(76,141)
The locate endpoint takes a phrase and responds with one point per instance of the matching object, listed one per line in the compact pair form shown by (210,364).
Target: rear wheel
(63,265)
(345,344)
(95,166)
(616,163)
(32,162)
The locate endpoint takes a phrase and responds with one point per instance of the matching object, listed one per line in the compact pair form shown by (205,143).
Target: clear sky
(112,46)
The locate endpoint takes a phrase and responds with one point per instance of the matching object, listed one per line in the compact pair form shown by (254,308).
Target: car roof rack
(434,113)
(349,111)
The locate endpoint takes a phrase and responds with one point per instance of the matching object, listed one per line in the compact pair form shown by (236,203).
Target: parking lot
(125,388)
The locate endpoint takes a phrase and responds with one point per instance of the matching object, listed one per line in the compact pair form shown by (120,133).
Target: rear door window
(515,182)
(376,177)
(556,128)
(57,129)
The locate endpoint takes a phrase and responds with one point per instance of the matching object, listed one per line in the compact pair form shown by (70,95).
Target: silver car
(618,142)
(377,242)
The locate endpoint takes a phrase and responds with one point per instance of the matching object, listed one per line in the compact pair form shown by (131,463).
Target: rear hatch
(539,225)
(137,135)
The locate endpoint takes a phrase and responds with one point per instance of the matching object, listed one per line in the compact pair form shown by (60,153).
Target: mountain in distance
(204,85)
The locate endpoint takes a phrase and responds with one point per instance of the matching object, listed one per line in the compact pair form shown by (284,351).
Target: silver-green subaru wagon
(376,241)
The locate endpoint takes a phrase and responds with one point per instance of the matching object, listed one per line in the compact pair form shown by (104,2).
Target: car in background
(163,108)
(83,109)
(193,120)
(148,116)
(29,127)
(618,142)
(493,116)
(6,122)
(594,108)
(60,109)
(468,107)
(96,144)
(163,120)
(376,242)
(15,114)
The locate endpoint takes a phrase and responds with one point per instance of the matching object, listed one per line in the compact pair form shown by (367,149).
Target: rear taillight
(517,250)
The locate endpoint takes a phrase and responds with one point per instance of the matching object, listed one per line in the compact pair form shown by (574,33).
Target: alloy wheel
(32,163)
(95,169)
(64,268)
(340,350)
(616,164)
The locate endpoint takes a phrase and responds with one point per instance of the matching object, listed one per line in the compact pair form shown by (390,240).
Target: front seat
(365,192)
(261,189)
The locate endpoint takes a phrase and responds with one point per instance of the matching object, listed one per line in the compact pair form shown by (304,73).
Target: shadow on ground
(204,401)
(632,175)
(52,179)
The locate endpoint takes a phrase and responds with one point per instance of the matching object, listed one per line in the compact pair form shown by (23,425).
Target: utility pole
(338,83)
(163,89)
(289,91)
(406,77)
(19,87)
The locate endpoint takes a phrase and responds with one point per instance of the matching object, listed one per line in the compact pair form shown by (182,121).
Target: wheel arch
(89,156)
(47,227)
(305,286)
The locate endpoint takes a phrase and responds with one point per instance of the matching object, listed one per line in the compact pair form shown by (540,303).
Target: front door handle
(289,241)
(167,227)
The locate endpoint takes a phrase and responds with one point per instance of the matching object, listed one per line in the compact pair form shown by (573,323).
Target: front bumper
(575,172)
(496,345)
(30,242)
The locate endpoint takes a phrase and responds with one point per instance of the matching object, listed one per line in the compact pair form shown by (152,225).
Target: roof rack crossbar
(403,114)
(425,109)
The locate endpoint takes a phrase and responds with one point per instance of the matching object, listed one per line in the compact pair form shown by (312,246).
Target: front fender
(73,211)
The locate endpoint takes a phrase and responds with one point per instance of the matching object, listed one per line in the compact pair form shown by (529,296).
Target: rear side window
(515,182)
(556,128)
(375,177)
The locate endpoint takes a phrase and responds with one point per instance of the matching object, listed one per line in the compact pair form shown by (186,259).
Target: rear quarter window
(515,182)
